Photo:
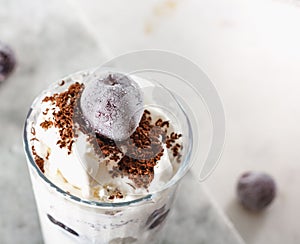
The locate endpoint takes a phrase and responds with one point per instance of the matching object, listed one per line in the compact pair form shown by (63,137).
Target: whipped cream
(81,171)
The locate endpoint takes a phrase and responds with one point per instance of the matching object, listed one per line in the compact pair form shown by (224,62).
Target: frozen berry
(256,190)
(112,103)
(7,61)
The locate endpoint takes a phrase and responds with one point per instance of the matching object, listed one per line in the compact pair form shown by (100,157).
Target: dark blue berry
(256,190)
(112,103)
(7,61)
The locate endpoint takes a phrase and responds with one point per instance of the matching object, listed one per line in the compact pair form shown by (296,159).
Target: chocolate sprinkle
(38,160)
(115,194)
(33,131)
(46,124)
(61,83)
(47,156)
(143,150)
(63,118)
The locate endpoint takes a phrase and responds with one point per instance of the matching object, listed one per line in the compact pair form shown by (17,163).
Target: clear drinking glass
(66,218)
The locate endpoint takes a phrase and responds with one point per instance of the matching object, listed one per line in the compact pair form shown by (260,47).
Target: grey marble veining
(50,41)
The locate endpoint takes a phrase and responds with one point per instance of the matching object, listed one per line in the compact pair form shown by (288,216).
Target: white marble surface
(51,39)
(250,50)
(197,218)
(41,40)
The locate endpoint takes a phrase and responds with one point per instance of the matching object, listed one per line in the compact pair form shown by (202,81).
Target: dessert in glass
(106,150)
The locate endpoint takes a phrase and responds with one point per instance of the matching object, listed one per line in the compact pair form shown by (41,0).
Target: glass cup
(66,218)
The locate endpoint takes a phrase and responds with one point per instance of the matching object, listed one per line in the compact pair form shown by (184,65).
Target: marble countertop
(52,39)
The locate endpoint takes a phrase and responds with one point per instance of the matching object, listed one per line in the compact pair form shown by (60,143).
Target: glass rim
(92,203)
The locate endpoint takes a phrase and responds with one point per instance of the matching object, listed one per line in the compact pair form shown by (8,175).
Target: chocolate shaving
(47,156)
(165,123)
(115,194)
(142,150)
(46,111)
(46,124)
(49,99)
(108,148)
(38,160)
(61,83)
(171,139)
(34,139)
(158,122)
(63,118)
(32,131)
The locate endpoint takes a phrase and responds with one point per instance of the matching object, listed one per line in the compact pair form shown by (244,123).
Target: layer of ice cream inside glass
(138,152)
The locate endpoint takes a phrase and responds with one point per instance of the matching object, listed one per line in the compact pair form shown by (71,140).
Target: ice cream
(96,139)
